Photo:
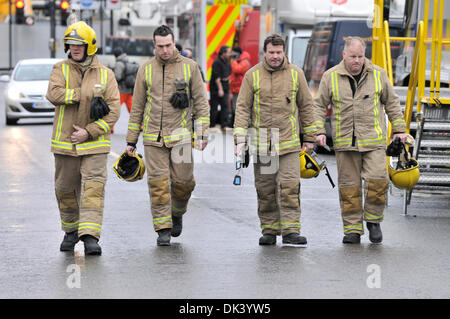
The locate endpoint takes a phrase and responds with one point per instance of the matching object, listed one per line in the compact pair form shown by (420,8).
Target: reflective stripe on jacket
(161,122)
(71,93)
(358,122)
(274,100)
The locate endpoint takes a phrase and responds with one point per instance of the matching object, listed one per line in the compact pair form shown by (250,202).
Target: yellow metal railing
(381,56)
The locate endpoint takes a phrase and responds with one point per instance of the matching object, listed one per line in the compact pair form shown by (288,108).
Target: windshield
(33,72)
(299,46)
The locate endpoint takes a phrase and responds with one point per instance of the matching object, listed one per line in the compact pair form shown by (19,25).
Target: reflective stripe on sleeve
(134,126)
(103,125)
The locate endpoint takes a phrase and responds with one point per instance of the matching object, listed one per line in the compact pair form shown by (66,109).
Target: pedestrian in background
(239,66)
(219,88)
(169,92)
(126,92)
(120,68)
(359,93)
(274,95)
(87,104)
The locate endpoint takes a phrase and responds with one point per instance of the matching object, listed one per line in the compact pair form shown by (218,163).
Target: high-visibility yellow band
(369,216)
(70,225)
(162,220)
(353,227)
(275,225)
(103,125)
(63,145)
(90,226)
(148,107)
(94,144)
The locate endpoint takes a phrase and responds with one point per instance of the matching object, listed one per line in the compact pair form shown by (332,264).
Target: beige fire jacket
(358,122)
(71,93)
(274,100)
(162,123)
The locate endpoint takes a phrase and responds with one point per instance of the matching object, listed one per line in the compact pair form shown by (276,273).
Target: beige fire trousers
(80,187)
(277,182)
(357,172)
(170,178)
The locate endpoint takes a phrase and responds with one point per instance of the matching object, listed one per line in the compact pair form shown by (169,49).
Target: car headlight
(15,94)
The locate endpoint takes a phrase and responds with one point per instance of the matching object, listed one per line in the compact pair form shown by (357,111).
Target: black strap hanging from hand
(329,177)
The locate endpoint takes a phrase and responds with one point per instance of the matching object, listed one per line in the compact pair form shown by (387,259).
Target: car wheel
(9,121)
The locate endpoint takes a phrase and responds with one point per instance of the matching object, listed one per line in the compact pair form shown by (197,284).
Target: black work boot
(375,235)
(91,246)
(164,237)
(69,241)
(177,226)
(294,239)
(268,239)
(352,238)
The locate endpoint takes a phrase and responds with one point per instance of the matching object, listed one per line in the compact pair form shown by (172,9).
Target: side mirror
(5,78)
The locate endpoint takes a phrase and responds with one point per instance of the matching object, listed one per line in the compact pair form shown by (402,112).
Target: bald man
(360,94)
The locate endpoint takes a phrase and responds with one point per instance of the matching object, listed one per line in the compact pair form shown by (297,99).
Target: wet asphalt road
(217,256)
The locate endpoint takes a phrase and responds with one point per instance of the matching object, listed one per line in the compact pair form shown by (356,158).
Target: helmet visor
(75,42)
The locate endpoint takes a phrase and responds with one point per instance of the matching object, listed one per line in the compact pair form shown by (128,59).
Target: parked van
(296,45)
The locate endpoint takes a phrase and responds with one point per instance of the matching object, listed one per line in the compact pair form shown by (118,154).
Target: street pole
(203,57)
(52,41)
(101,25)
(111,23)
(10,36)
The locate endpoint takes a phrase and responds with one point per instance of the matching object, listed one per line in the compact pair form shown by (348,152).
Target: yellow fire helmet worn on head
(406,174)
(129,168)
(80,33)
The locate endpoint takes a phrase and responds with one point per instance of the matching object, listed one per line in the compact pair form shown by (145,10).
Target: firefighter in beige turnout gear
(80,144)
(168,93)
(360,94)
(274,95)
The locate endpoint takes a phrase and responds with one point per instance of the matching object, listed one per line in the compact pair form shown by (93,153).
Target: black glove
(99,108)
(395,148)
(246,158)
(179,100)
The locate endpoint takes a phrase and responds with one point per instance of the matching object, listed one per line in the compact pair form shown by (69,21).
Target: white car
(25,93)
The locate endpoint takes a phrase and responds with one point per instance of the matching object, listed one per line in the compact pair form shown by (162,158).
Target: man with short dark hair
(219,87)
(169,91)
(274,95)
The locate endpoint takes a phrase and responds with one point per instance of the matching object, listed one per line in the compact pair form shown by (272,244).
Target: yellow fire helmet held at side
(406,174)
(309,167)
(129,168)
(80,33)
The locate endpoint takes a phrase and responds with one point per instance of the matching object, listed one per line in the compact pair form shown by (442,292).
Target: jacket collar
(94,63)
(283,66)
(176,57)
